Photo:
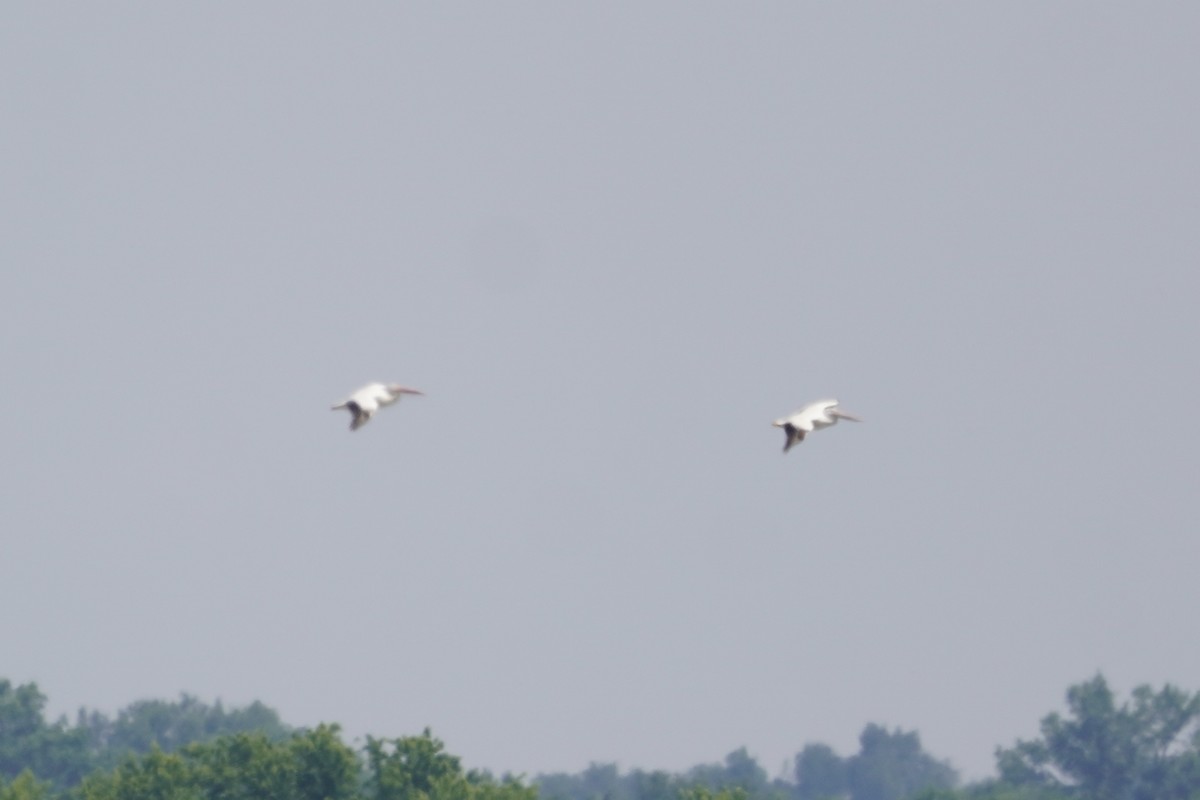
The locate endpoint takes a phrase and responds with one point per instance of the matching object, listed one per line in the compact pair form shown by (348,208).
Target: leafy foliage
(740,771)
(1148,749)
(51,751)
(892,765)
(418,768)
(326,769)
(993,790)
(25,787)
(889,765)
(314,765)
(704,793)
(820,773)
(171,725)
(739,778)
(62,754)
(154,776)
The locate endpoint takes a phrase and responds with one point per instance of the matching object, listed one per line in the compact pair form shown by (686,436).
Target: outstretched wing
(794,436)
(837,413)
(360,418)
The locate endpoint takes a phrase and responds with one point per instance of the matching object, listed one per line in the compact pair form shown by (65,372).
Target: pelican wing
(794,436)
(360,416)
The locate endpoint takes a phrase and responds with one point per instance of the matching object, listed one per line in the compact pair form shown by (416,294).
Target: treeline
(1146,748)
(309,765)
(63,754)
(888,765)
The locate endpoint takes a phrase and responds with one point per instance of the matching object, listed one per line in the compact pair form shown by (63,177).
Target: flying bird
(366,401)
(812,417)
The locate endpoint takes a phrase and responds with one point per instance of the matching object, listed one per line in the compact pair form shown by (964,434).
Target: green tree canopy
(170,725)
(1146,749)
(891,765)
(994,790)
(820,773)
(739,771)
(418,768)
(606,782)
(51,751)
(25,787)
(739,776)
(314,765)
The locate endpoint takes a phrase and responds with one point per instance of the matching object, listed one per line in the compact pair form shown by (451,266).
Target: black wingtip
(357,415)
(794,435)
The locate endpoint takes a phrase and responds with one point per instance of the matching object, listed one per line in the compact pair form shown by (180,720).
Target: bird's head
(779,423)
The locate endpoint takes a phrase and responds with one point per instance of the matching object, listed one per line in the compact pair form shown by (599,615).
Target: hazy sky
(611,242)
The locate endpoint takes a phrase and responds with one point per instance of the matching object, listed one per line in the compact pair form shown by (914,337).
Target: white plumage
(366,401)
(812,417)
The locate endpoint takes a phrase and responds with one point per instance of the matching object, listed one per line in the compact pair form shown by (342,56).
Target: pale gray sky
(611,242)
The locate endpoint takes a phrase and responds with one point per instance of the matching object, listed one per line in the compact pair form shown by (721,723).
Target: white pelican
(366,401)
(812,417)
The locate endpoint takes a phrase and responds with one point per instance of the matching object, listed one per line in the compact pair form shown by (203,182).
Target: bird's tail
(342,404)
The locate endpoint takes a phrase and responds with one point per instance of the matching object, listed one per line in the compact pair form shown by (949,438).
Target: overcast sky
(611,242)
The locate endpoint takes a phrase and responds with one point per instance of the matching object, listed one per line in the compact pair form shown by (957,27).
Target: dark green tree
(700,792)
(326,769)
(170,725)
(820,773)
(992,790)
(153,776)
(25,787)
(418,768)
(244,767)
(409,768)
(739,771)
(482,786)
(1147,749)
(602,782)
(605,782)
(891,765)
(655,785)
(314,765)
(740,776)
(51,751)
